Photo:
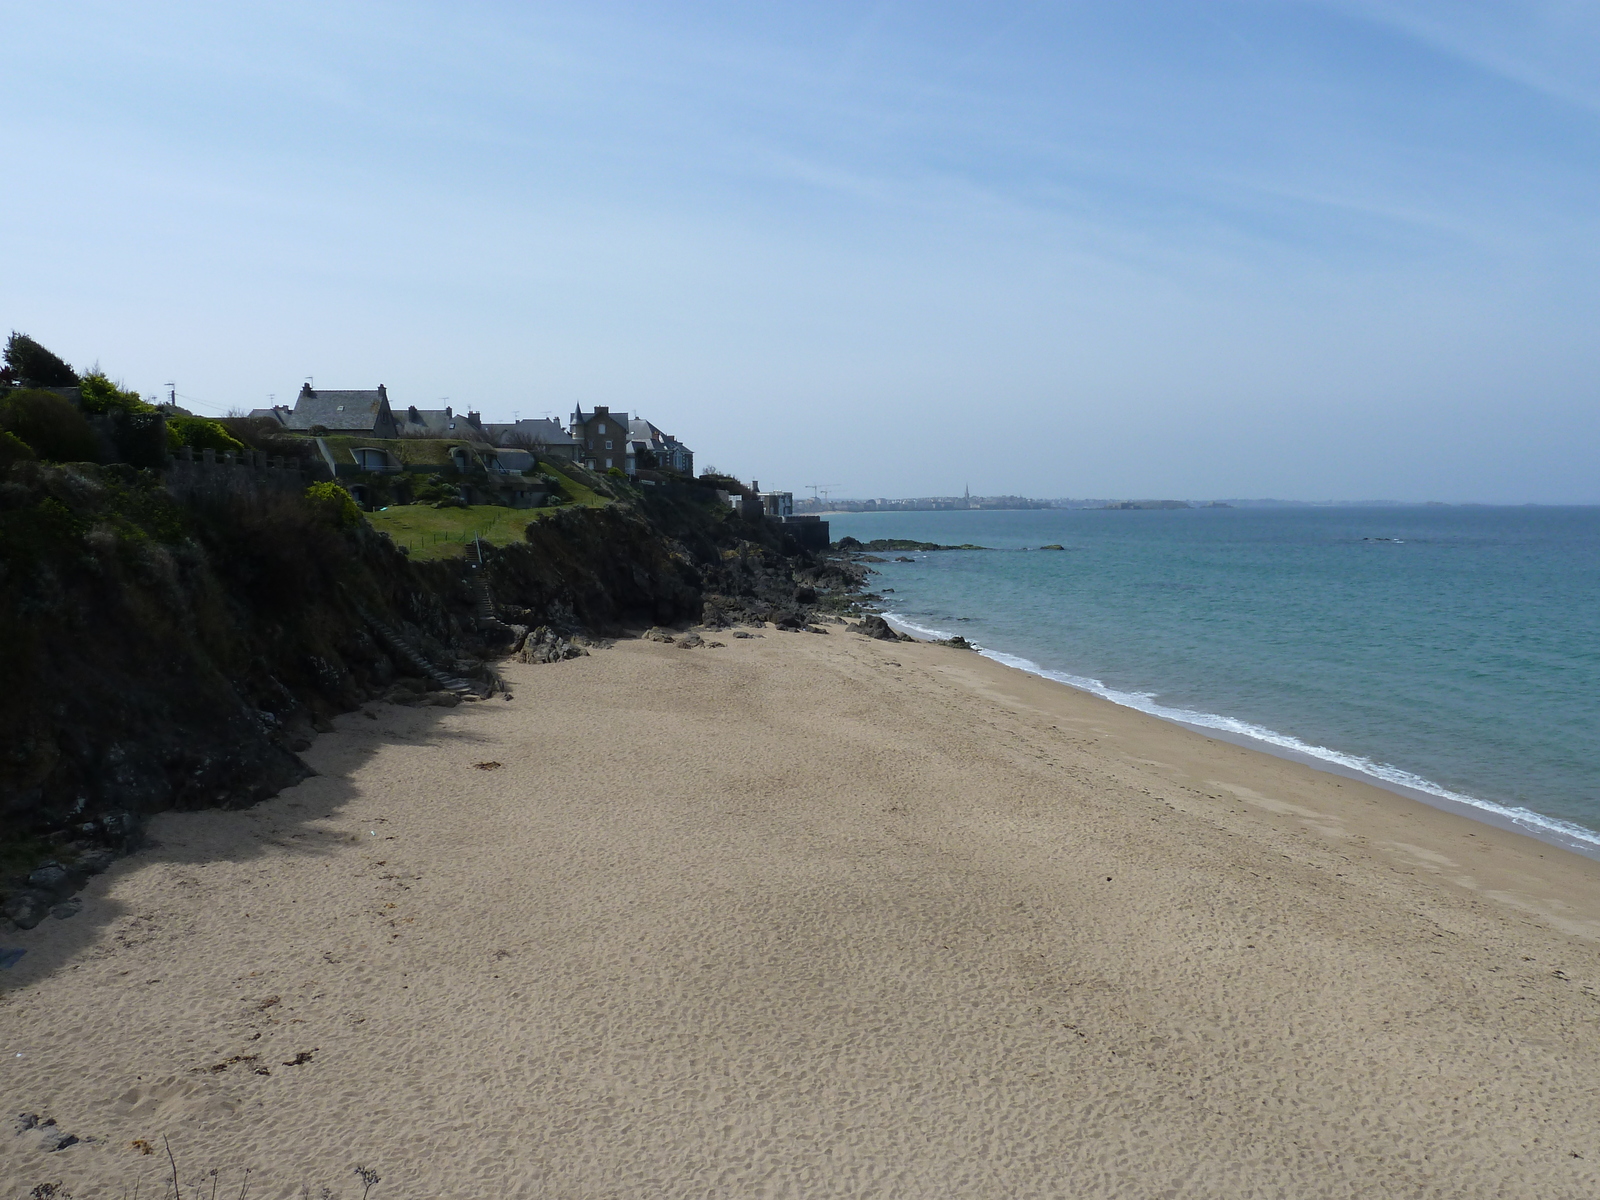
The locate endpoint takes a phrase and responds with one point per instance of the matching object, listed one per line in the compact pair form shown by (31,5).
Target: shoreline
(815,915)
(1553,831)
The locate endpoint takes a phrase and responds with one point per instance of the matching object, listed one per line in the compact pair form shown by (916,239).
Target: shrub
(201,433)
(333,504)
(52,427)
(13,449)
(100,395)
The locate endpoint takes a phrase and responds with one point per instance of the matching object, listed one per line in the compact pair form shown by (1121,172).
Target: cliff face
(163,654)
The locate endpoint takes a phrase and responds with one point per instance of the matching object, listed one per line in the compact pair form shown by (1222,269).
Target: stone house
(669,453)
(602,439)
(347,412)
(439,423)
(541,435)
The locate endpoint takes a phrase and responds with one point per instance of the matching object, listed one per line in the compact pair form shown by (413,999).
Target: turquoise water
(1459,656)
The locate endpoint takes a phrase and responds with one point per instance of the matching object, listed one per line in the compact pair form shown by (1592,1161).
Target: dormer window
(340,408)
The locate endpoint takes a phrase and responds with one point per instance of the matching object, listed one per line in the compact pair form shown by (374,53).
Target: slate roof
(437,422)
(534,429)
(340,411)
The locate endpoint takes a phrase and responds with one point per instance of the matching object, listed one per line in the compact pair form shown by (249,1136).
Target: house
(541,435)
(602,439)
(665,451)
(439,423)
(346,412)
(777,504)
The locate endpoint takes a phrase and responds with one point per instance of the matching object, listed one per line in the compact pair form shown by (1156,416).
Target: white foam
(1564,832)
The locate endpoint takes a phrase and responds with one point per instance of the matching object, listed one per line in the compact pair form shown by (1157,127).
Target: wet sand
(814,916)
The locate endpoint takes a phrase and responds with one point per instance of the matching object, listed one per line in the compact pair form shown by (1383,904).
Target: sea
(1448,653)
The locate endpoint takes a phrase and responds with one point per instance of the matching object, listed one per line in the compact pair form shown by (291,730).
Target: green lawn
(428,532)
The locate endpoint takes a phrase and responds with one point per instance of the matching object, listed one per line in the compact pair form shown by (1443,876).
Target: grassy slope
(430,533)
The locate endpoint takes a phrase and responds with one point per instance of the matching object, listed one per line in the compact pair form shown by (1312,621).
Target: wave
(1563,832)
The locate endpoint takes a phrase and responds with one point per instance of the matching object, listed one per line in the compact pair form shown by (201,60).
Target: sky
(1312,250)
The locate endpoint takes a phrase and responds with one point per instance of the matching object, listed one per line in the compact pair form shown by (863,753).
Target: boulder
(690,640)
(52,879)
(545,645)
(874,626)
(959,642)
(28,908)
(657,634)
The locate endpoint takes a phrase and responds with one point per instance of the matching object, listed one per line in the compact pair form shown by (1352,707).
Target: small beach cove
(815,915)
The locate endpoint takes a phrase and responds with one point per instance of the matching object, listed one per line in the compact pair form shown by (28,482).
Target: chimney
(383,393)
(448,414)
(305,389)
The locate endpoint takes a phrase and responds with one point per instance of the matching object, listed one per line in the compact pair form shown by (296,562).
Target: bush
(435,490)
(333,504)
(52,427)
(13,449)
(100,395)
(201,433)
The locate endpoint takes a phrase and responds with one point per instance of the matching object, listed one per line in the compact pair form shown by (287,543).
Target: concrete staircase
(486,611)
(409,651)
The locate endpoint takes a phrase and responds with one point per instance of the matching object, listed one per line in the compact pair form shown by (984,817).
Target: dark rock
(545,645)
(873,558)
(690,640)
(67,908)
(874,626)
(849,543)
(959,642)
(1053,546)
(903,558)
(656,634)
(27,908)
(805,595)
(96,861)
(52,878)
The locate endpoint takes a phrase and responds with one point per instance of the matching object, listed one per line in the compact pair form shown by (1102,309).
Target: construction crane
(819,491)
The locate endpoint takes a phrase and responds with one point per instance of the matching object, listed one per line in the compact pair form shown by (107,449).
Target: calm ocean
(1453,651)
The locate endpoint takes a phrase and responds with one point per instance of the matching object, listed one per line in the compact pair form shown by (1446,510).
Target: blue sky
(1314,250)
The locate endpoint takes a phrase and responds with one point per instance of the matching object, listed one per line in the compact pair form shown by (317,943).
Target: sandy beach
(808,916)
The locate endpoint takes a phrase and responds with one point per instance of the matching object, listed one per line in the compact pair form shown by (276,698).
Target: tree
(99,395)
(31,364)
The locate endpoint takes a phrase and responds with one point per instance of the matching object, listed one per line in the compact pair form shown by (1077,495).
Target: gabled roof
(338,410)
(440,422)
(541,430)
(579,417)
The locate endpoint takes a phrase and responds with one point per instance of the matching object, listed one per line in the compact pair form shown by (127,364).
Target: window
(608,464)
(608,444)
(603,429)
